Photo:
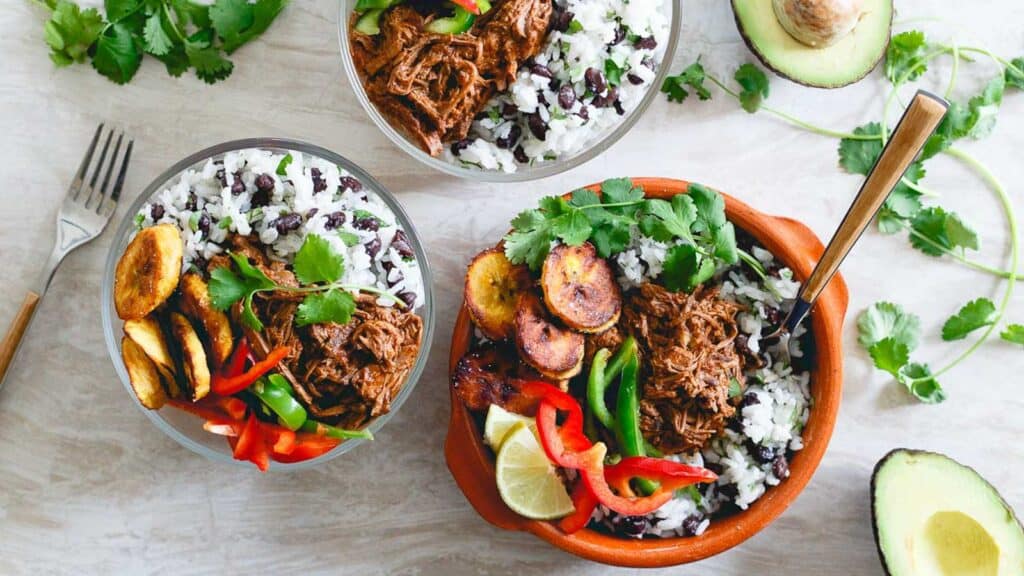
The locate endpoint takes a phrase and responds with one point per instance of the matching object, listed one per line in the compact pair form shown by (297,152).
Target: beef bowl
(506,90)
(268,302)
(611,390)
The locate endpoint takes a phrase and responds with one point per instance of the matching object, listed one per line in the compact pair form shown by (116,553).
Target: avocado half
(936,517)
(843,62)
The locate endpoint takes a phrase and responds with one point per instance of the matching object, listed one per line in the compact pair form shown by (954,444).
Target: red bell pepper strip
(202,410)
(233,407)
(670,475)
(566,447)
(280,439)
(469,5)
(252,446)
(235,384)
(236,364)
(585,502)
(307,447)
(223,429)
(571,431)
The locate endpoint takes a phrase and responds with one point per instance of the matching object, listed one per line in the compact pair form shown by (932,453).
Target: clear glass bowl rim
(522,174)
(275,144)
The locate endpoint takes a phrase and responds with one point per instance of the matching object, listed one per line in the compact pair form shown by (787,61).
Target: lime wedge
(500,422)
(527,481)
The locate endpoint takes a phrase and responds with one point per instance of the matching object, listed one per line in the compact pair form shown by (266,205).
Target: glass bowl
(523,173)
(187,429)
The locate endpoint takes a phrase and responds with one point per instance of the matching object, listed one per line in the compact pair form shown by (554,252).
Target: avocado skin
(752,47)
(912,452)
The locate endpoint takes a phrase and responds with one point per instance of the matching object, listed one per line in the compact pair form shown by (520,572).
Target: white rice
(199,191)
(774,423)
(568,55)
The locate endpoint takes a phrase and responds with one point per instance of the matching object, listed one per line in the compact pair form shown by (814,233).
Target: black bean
(690,526)
(749,399)
(319,184)
(541,70)
(648,43)
(620,35)
(714,467)
(373,247)
(287,223)
(401,244)
(566,97)
(648,62)
(458,147)
(388,267)
(632,526)
(237,187)
(742,343)
(199,262)
(542,99)
(156,212)
(222,178)
(594,80)
(773,315)
(510,139)
(634,79)
(509,110)
(312,212)
(368,223)
(561,20)
(584,113)
(350,183)
(780,468)
(192,202)
(730,491)
(265,182)
(334,220)
(537,125)
(520,155)
(618,107)
(204,223)
(762,454)
(608,99)
(261,197)
(408,297)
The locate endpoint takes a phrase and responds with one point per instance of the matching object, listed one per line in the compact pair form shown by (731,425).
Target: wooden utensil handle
(12,339)
(918,122)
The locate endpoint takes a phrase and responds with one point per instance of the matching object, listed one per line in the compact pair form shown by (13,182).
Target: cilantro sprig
(702,240)
(182,34)
(319,270)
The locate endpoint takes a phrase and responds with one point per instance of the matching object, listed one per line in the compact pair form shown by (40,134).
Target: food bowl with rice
(506,90)
(611,392)
(266,301)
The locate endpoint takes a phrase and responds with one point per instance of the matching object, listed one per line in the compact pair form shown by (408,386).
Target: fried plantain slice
(149,335)
(195,303)
(580,288)
(193,358)
(143,375)
(555,352)
(148,271)
(493,286)
(486,376)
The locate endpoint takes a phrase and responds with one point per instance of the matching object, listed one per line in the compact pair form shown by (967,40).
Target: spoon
(920,119)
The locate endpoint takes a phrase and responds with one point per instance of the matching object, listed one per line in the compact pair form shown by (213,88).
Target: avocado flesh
(842,63)
(936,517)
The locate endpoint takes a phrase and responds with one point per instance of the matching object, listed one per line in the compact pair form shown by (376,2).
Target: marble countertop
(90,487)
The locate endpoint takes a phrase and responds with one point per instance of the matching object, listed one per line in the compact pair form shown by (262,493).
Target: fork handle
(11,341)
(918,122)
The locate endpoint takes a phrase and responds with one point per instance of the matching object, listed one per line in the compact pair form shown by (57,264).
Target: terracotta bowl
(472,463)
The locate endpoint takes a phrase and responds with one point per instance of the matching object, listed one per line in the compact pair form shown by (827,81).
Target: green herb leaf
(1014,76)
(887,320)
(755,87)
(323,307)
(859,156)
(574,27)
(903,57)
(1013,333)
(613,72)
(316,262)
(975,314)
(936,231)
(692,77)
(226,288)
(237,21)
(735,388)
(348,238)
(620,191)
(681,266)
(211,66)
(890,355)
(665,221)
(118,10)
(71,31)
(157,42)
(117,57)
(282,166)
(919,381)
(982,110)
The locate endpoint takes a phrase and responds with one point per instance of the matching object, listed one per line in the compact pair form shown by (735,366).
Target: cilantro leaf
(282,166)
(331,306)
(118,10)
(210,64)
(1013,333)
(71,31)
(664,221)
(975,314)
(584,197)
(681,268)
(903,56)
(884,320)
(613,72)
(919,381)
(117,56)
(754,84)
(936,231)
(157,42)
(238,21)
(611,238)
(859,156)
(530,239)
(890,355)
(316,261)
(1014,75)
(982,110)
(619,191)
(226,288)
(692,77)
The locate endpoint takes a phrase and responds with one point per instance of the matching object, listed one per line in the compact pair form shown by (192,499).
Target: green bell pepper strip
(627,418)
(597,384)
(366,5)
(314,427)
(460,21)
(369,22)
(627,350)
(277,397)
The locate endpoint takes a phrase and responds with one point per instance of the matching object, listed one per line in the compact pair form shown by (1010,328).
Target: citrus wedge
(500,422)
(527,481)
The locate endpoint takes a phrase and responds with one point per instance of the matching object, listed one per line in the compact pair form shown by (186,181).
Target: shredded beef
(432,86)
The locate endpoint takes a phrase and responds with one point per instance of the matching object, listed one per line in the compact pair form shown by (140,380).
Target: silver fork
(87,208)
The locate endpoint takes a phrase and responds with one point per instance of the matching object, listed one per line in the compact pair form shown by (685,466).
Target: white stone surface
(87,486)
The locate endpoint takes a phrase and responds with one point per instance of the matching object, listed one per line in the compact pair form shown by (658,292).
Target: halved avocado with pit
(936,517)
(820,43)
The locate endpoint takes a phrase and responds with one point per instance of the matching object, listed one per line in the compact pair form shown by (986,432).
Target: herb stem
(340,286)
(953,73)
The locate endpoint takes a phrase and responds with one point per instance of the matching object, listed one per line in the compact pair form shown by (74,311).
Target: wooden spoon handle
(918,122)
(12,339)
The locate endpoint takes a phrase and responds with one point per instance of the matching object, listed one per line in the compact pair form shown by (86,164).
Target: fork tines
(85,191)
